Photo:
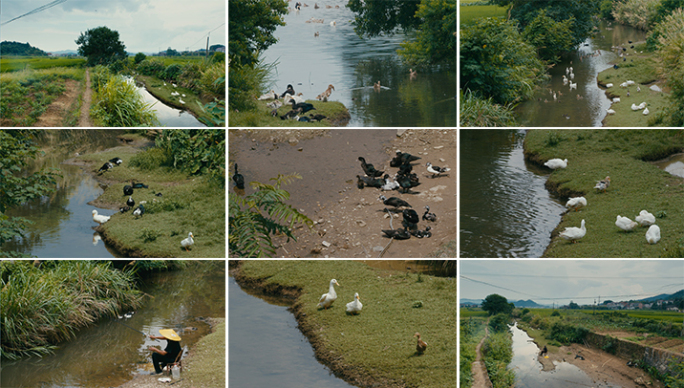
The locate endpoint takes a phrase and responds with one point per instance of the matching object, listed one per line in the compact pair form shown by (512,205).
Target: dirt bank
(480,376)
(56,111)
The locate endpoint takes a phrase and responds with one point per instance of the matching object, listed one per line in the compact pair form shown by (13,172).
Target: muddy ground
(348,220)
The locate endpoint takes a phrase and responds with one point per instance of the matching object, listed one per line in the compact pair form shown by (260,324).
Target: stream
(506,210)
(352,65)
(108,354)
(570,111)
(63,221)
(528,370)
(673,164)
(167,116)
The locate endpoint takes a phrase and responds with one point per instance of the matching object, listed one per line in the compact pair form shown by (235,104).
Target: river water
(570,111)
(108,354)
(168,116)
(266,348)
(63,222)
(352,65)
(673,164)
(505,209)
(528,370)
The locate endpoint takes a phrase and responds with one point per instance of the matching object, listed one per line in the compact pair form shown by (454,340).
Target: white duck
(645,218)
(653,234)
(610,111)
(635,107)
(268,96)
(646,111)
(556,163)
(625,224)
(355,306)
(327,299)
(185,243)
(574,233)
(576,203)
(100,219)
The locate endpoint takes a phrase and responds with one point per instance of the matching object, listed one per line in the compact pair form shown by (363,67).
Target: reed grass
(119,105)
(41,308)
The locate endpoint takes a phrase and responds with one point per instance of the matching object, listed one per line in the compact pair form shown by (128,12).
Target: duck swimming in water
(377,86)
(238,179)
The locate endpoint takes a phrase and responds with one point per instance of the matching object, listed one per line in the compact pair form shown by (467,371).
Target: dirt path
(84,120)
(54,115)
(480,376)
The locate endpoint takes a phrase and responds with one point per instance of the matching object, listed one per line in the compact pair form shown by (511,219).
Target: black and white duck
(128,190)
(137,185)
(139,211)
(289,90)
(401,158)
(124,209)
(130,202)
(435,170)
(390,184)
(397,234)
(369,169)
(116,161)
(305,106)
(371,182)
(290,114)
(429,216)
(105,167)
(394,201)
(303,118)
(422,233)
(410,219)
(238,179)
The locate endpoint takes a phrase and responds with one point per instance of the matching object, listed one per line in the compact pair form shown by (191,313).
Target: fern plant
(253,218)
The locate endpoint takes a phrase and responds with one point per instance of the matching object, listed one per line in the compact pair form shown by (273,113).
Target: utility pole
(206,53)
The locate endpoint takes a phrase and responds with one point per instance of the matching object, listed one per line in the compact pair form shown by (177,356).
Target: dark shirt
(172,349)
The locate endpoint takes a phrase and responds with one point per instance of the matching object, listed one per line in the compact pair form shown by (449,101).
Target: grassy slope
(378,342)
(336,113)
(207,363)
(163,92)
(636,185)
(201,209)
(640,68)
(470,13)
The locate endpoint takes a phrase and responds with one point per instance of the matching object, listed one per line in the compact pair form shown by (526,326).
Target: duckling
(412,74)
(421,345)
(422,233)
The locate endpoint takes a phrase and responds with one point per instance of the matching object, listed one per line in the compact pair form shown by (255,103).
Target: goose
(573,86)
(355,306)
(422,233)
(394,201)
(625,224)
(116,161)
(429,216)
(610,111)
(266,96)
(556,163)
(635,107)
(369,169)
(576,203)
(435,170)
(603,184)
(410,218)
(574,233)
(645,218)
(616,99)
(397,234)
(389,184)
(420,345)
(185,243)
(646,111)
(128,190)
(99,218)
(328,299)
(139,211)
(653,234)
(130,202)
(105,167)
(402,158)
(609,85)
(289,90)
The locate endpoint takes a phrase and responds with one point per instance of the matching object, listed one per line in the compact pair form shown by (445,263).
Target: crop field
(177,60)
(471,312)
(16,63)
(470,13)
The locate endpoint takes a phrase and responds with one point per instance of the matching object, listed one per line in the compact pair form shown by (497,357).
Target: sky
(143,25)
(562,281)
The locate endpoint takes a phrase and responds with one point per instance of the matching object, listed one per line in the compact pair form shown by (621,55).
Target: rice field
(470,13)
(10,64)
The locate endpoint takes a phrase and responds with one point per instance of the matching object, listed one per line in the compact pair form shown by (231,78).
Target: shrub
(671,53)
(172,72)
(549,36)
(150,159)
(499,322)
(190,75)
(218,57)
(120,105)
(139,57)
(483,112)
(151,67)
(636,13)
(566,334)
(100,76)
(555,313)
(213,79)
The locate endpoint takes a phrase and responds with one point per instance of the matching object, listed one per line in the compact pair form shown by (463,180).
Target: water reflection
(505,209)
(674,165)
(339,57)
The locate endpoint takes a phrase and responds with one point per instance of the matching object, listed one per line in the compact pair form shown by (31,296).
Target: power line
(39,9)
(576,277)
(205,35)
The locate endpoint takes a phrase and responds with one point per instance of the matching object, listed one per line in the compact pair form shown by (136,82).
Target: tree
(139,57)
(436,37)
(495,304)
(251,27)
(499,322)
(171,52)
(573,306)
(549,36)
(375,17)
(101,46)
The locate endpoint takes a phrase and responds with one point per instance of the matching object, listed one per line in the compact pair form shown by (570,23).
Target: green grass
(473,312)
(378,343)
(162,90)
(206,365)
(16,63)
(181,60)
(336,113)
(472,331)
(636,184)
(189,204)
(468,14)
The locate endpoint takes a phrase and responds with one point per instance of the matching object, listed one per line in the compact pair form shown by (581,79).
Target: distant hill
(65,52)
(16,48)
(526,303)
(677,295)
(471,301)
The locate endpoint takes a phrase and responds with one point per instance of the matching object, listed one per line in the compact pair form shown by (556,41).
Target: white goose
(185,243)
(576,203)
(556,163)
(327,299)
(645,218)
(653,234)
(625,224)
(100,219)
(355,306)
(574,233)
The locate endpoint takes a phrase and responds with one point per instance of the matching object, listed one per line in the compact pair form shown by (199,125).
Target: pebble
(361,223)
(378,248)
(438,147)
(400,132)
(300,149)
(442,160)
(325,244)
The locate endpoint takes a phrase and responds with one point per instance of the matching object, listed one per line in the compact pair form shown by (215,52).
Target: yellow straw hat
(170,334)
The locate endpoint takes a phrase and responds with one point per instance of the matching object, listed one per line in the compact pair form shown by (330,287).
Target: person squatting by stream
(160,358)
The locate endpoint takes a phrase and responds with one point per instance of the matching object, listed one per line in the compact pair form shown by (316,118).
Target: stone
(378,248)
(400,132)
(361,223)
(325,244)
(438,147)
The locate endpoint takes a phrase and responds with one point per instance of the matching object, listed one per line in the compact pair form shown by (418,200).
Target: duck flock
(624,223)
(299,105)
(128,190)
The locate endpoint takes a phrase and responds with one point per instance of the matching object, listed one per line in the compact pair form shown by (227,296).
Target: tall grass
(43,307)
(498,353)
(120,105)
(484,112)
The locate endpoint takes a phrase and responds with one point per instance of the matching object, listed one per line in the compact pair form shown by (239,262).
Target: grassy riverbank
(636,185)
(376,347)
(336,113)
(162,91)
(188,204)
(206,365)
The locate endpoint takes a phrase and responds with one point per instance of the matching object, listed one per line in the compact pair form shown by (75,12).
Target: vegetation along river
(338,57)
(108,354)
(571,110)
(168,116)
(505,209)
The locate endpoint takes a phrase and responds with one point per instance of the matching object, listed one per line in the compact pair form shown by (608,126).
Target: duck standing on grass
(355,306)
(99,218)
(603,184)
(574,233)
(139,211)
(185,243)
(421,345)
(328,299)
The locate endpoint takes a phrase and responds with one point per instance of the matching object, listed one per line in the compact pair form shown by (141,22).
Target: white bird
(183,95)
(603,184)
(638,88)
(177,94)
(645,218)
(567,70)
(174,85)
(610,111)
(128,316)
(576,203)
(653,234)
(609,85)
(390,184)
(435,170)
(574,233)
(333,23)
(642,105)
(616,99)
(646,111)
(96,239)
(181,101)
(185,243)
(573,86)
(328,299)
(572,75)
(100,219)
(266,96)
(629,83)
(556,163)
(355,306)
(625,224)
(275,104)
(635,107)
(623,85)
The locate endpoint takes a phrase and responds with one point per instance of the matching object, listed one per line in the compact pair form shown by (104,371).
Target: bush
(119,66)
(190,75)
(100,76)
(172,72)
(218,57)
(483,112)
(636,13)
(607,10)
(150,159)
(555,313)
(213,79)
(499,322)
(139,57)
(549,36)
(151,67)
(567,334)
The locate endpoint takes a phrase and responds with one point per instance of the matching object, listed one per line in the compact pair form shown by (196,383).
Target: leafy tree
(375,17)
(555,313)
(496,62)
(250,229)
(16,185)
(436,37)
(251,27)
(495,304)
(549,36)
(573,306)
(139,57)
(196,151)
(16,48)
(499,322)
(101,46)
(171,52)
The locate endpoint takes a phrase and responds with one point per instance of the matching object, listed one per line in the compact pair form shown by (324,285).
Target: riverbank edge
(193,109)
(553,184)
(351,373)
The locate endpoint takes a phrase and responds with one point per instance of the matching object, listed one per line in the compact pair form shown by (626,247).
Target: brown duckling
(421,345)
